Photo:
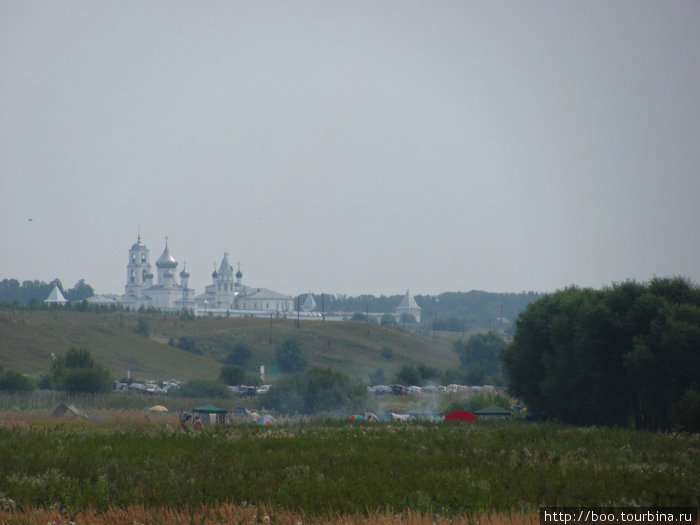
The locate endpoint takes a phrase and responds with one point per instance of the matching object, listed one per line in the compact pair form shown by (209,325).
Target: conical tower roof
(408,302)
(55,296)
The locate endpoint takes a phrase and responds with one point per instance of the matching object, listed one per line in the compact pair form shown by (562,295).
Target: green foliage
(358,316)
(77,372)
(407,375)
(290,357)
(94,379)
(327,468)
(377,377)
(78,358)
(686,413)
(187,343)
(237,375)
(388,320)
(618,356)
(479,358)
(142,327)
(415,375)
(13,381)
(34,292)
(386,352)
(317,390)
(204,388)
(240,354)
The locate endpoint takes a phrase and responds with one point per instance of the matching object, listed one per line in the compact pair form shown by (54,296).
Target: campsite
(139,461)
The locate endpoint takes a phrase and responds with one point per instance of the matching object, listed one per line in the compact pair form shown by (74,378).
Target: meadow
(308,470)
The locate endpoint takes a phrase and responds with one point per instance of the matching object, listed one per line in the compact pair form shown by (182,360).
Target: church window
(143,258)
(133,257)
(133,277)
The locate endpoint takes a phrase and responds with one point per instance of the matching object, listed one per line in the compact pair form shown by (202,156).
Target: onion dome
(166,260)
(184,274)
(239,274)
(138,245)
(148,275)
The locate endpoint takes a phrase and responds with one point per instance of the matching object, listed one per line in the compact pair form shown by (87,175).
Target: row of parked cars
(401,390)
(249,391)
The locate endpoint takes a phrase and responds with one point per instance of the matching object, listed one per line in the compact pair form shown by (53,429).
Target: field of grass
(27,339)
(320,469)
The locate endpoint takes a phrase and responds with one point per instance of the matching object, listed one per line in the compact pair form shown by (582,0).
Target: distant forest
(450,311)
(11,291)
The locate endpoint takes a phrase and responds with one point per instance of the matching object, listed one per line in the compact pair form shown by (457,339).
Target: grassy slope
(27,339)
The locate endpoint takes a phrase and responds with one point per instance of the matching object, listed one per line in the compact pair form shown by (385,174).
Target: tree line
(626,355)
(11,291)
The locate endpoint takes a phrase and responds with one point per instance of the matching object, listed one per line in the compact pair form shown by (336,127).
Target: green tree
(407,375)
(204,388)
(77,372)
(290,357)
(480,357)
(240,354)
(317,390)
(13,381)
(237,375)
(623,355)
(142,327)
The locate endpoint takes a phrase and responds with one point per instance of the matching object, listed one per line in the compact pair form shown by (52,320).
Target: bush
(318,390)
(290,357)
(240,355)
(204,388)
(686,413)
(13,381)
(77,372)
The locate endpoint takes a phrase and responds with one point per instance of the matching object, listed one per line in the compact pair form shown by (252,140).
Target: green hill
(27,339)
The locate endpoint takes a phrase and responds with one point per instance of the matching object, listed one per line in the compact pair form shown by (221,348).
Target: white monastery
(226,295)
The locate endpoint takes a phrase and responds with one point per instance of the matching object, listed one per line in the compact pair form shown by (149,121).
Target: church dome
(215,274)
(184,274)
(239,274)
(166,260)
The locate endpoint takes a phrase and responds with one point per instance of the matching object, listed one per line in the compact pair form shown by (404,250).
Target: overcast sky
(352,147)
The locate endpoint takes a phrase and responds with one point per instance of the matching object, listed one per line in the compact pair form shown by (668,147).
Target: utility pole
(323,309)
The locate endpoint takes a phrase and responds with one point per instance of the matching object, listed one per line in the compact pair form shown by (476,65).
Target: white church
(226,295)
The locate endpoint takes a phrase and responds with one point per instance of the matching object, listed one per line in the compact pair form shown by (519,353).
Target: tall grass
(332,467)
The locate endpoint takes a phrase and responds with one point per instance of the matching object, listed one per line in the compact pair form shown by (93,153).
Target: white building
(55,297)
(226,295)
(166,293)
(408,306)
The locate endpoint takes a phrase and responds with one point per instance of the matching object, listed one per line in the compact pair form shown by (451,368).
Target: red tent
(460,415)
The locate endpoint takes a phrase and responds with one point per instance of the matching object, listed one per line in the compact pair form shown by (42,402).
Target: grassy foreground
(334,471)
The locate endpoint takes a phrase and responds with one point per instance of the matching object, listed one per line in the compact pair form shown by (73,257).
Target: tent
(494,412)
(158,408)
(210,408)
(357,417)
(266,420)
(460,415)
(69,410)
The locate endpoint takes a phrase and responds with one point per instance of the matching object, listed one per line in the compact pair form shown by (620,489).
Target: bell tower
(137,269)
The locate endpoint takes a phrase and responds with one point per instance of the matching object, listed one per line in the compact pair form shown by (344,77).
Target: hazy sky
(352,147)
